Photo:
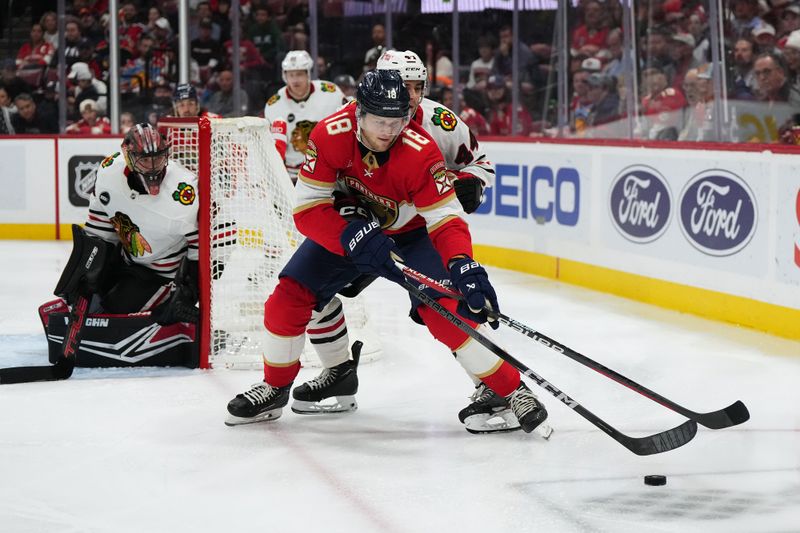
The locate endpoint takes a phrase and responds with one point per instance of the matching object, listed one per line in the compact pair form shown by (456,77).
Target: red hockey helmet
(146,154)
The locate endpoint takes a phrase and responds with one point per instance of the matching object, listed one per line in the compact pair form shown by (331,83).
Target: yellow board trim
(37,232)
(770,318)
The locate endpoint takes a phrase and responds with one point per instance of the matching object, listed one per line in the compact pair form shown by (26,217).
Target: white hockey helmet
(408,63)
(297,60)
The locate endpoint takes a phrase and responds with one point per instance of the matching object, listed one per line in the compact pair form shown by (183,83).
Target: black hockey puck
(655,480)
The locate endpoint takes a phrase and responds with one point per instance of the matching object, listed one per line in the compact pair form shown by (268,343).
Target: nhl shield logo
(81,175)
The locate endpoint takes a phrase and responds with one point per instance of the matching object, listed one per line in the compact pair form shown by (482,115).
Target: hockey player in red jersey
(471,171)
(397,200)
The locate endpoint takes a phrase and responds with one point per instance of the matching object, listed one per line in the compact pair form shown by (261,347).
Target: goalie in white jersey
(295,109)
(137,253)
(471,171)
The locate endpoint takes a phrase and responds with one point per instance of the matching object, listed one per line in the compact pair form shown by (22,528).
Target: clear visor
(382,127)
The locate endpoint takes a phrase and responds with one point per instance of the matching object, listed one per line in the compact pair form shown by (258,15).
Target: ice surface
(134,450)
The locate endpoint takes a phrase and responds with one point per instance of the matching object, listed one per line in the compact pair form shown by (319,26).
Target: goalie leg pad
(135,289)
(87,265)
(123,341)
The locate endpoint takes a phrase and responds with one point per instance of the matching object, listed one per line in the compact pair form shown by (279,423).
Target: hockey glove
(370,250)
(470,278)
(469,191)
(181,305)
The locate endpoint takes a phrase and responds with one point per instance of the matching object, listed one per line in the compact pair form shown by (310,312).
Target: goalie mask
(146,154)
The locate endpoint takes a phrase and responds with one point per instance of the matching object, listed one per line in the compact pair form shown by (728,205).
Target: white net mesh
(252,235)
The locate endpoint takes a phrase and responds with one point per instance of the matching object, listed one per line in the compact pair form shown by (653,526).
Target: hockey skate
(488,413)
(261,403)
(528,410)
(339,383)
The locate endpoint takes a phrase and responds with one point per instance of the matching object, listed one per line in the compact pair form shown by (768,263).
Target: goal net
(247,234)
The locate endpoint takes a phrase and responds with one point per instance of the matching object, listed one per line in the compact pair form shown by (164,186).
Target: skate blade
(266,416)
(492,423)
(341,404)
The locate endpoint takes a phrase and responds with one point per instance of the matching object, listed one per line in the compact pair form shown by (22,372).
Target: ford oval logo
(718,212)
(640,203)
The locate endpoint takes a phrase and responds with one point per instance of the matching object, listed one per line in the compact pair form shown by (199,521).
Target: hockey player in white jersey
(142,232)
(471,171)
(296,108)
(466,161)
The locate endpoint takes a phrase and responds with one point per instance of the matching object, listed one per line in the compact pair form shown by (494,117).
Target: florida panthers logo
(185,194)
(444,118)
(129,235)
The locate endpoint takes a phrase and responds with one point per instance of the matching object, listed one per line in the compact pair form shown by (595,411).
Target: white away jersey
(155,231)
(324,99)
(460,148)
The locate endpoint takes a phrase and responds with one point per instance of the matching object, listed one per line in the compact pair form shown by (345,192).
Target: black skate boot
(529,411)
(339,383)
(488,413)
(262,402)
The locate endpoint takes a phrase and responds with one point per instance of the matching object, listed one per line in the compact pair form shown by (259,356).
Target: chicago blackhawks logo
(274,98)
(185,194)
(327,87)
(444,118)
(300,133)
(129,235)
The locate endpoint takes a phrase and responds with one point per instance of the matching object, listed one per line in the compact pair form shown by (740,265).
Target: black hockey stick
(658,443)
(64,366)
(734,414)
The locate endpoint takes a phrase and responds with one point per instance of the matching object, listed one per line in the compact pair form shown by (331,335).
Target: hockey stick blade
(658,443)
(733,415)
(29,374)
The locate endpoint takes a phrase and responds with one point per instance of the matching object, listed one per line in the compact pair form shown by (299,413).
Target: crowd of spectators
(674,96)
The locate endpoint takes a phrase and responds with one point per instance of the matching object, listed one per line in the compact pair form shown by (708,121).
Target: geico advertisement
(689,207)
(540,196)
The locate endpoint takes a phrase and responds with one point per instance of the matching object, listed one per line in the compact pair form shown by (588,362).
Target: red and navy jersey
(407,186)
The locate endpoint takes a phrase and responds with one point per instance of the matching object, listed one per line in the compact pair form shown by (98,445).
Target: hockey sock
(328,333)
(498,375)
(286,315)
(442,330)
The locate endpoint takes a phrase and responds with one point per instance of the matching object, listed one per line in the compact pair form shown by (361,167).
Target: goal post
(247,235)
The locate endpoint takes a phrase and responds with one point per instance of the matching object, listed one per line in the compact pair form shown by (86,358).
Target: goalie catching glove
(181,305)
(472,281)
